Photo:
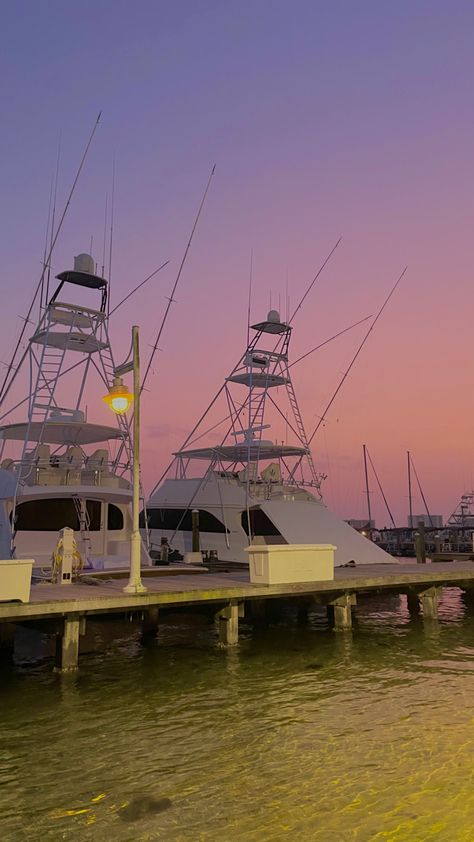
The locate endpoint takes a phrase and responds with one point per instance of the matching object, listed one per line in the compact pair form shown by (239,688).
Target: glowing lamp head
(119,398)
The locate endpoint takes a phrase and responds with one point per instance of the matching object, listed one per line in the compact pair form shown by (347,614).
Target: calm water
(298,733)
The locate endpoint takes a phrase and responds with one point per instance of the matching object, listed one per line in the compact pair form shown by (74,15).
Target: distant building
(362,525)
(428,520)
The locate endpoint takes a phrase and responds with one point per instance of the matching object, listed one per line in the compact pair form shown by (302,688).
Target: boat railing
(73,467)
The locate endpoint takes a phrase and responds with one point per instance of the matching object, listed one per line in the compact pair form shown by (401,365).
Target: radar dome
(273,316)
(84,263)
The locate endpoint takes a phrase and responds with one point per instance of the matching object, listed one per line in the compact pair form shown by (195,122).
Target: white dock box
(15,579)
(284,564)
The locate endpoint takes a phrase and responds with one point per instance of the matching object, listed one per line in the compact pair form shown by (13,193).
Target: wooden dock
(228,595)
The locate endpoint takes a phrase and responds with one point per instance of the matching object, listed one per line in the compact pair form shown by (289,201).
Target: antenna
(250,295)
(111,238)
(178,276)
(104,244)
(46,297)
(46,239)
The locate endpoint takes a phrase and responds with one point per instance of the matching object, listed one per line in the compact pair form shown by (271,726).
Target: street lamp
(119,399)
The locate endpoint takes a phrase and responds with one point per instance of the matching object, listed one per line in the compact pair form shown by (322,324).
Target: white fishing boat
(57,467)
(252,488)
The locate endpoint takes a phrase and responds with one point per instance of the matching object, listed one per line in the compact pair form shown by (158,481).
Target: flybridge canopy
(82,275)
(272,324)
(82,279)
(243,453)
(60,432)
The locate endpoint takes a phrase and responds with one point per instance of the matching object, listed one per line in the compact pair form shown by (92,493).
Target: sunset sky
(324,119)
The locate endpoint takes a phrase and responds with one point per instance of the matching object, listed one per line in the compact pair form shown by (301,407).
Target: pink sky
(324,120)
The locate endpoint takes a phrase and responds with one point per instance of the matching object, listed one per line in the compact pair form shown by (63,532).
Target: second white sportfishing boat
(252,486)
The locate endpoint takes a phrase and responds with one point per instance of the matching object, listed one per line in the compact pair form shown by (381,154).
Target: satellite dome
(273,316)
(84,263)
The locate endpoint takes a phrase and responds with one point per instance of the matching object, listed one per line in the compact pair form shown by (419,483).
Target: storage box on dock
(15,579)
(280,564)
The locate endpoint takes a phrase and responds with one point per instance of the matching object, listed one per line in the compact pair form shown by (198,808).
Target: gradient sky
(324,119)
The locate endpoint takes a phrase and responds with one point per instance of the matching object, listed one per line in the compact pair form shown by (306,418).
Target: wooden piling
(150,623)
(7,641)
(302,614)
(67,645)
(420,543)
(228,620)
(413,603)
(339,611)
(429,603)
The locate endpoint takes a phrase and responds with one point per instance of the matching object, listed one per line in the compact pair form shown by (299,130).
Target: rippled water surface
(298,733)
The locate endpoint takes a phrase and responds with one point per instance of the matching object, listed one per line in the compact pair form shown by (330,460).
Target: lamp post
(119,399)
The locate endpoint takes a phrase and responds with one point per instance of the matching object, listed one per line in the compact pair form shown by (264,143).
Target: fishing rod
(327,341)
(155,272)
(178,276)
(4,388)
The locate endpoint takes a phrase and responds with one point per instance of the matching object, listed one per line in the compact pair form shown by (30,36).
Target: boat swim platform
(228,595)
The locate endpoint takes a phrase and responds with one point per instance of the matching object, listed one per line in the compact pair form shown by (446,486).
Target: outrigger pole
(354,358)
(178,276)
(11,367)
(348,369)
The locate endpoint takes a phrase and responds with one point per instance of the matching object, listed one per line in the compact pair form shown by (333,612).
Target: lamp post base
(135,587)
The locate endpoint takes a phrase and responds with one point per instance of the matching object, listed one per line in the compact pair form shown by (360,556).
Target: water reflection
(299,732)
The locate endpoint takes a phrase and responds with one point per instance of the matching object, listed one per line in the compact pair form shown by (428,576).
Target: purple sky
(324,119)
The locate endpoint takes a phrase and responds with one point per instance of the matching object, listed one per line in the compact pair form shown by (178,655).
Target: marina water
(296,733)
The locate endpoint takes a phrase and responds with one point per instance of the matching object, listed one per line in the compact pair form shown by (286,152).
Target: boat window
(94,508)
(181,519)
(260,523)
(54,514)
(114,517)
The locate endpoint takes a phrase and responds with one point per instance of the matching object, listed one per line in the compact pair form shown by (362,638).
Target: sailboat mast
(409,489)
(367,491)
